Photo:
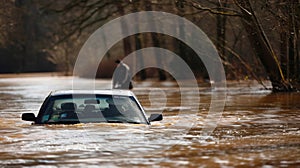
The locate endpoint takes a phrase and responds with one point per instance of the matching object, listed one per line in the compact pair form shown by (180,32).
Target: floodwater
(257,129)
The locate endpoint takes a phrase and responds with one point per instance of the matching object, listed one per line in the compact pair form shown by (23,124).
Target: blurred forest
(255,39)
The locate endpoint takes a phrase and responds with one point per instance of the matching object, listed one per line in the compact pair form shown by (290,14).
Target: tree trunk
(292,41)
(221,30)
(138,45)
(283,53)
(263,49)
(156,43)
(126,41)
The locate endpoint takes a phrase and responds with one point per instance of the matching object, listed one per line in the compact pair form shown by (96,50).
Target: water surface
(257,129)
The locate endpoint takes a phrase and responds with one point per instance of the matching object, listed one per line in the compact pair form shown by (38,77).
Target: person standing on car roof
(122,76)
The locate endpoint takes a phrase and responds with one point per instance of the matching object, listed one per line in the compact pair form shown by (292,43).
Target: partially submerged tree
(261,44)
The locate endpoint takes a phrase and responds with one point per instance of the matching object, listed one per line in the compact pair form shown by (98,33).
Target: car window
(86,108)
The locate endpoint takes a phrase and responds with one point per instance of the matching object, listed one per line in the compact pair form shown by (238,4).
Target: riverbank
(36,74)
(152,82)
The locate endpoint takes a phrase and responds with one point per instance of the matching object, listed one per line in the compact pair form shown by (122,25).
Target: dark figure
(122,76)
(113,110)
(68,111)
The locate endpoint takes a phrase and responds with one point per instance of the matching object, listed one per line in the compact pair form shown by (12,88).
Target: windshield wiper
(133,122)
(123,121)
(63,122)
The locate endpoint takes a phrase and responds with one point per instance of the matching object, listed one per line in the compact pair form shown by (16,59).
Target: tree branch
(217,11)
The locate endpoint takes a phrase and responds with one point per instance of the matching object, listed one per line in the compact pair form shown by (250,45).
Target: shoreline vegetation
(251,39)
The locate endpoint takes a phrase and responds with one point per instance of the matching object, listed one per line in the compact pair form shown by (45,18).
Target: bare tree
(259,40)
(263,48)
(73,21)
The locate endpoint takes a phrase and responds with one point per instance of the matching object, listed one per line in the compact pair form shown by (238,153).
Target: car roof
(93,92)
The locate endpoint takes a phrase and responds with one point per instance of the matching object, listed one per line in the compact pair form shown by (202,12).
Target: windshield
(92,109)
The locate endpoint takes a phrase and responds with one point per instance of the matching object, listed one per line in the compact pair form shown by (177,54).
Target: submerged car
(99,106)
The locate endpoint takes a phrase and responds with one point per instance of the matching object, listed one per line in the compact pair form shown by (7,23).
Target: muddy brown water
(257,129)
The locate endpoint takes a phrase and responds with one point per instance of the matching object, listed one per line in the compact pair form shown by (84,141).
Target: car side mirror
(155,117)
(28,117)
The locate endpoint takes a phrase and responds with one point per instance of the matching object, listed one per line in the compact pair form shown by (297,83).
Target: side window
(48,112)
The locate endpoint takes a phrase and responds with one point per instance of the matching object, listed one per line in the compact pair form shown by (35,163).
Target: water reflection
(257,129)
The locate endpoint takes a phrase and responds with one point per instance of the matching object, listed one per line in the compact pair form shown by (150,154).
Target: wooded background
(255,39)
